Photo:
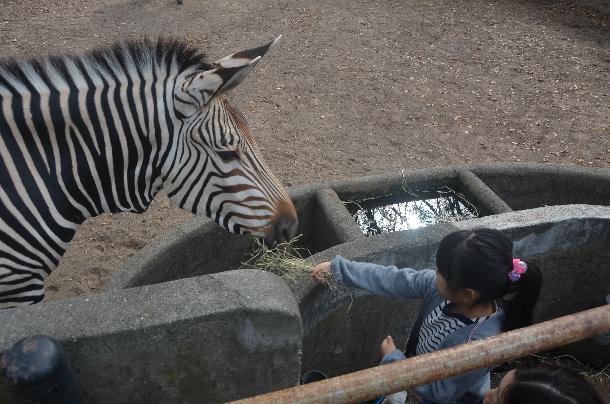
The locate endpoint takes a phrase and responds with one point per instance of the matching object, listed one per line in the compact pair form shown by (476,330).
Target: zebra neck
(101,147)
(80,136)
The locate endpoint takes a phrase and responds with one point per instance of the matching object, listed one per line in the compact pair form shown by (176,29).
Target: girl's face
(495,396)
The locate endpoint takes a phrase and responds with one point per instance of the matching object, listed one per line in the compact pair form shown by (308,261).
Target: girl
(542,384)
(477,291)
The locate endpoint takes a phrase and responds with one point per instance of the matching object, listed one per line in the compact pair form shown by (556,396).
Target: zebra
(105,131)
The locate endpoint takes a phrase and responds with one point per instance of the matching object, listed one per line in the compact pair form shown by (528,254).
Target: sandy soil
(357,88)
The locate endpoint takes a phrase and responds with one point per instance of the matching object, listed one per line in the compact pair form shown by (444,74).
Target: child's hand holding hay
(321,273)
(286,261)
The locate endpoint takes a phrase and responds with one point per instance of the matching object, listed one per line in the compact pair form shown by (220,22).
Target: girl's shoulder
(482,328)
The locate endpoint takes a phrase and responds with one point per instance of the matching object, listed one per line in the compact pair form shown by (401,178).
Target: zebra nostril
(285,228)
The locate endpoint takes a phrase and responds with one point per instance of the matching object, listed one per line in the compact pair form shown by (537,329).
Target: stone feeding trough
(182,323)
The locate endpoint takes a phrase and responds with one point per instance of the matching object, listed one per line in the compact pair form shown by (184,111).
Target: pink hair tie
(519,268)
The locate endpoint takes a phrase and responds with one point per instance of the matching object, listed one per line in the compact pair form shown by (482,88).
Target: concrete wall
(205,339)
(350,322)
(177,325)
(200,246)
(570,243)
(534,185)
(196,247)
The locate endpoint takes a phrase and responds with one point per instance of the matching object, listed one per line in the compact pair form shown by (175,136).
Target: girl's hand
(387,345)
(320,273)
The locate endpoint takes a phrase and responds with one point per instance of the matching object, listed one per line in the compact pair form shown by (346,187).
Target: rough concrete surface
(200,246)
(206,339)
(569,243)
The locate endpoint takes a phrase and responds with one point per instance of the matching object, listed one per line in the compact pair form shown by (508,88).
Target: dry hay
(285,260)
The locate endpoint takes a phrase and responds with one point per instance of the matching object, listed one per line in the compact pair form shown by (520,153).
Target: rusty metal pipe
(398,376)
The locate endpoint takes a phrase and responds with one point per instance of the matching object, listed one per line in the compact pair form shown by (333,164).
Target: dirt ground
(356,88)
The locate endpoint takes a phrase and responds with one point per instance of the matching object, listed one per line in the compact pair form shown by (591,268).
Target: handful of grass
(285,260)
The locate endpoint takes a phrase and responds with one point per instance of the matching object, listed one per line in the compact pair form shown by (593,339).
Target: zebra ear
(198,89)
(234,68)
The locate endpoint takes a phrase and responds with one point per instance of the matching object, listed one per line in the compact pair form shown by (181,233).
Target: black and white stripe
(105,131)
(438,325)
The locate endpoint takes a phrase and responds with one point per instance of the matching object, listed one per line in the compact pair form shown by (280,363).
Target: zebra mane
(121,56)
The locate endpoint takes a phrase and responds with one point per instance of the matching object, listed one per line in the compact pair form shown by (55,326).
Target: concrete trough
(201,247)
(179,323)
(211,338)
(342,331)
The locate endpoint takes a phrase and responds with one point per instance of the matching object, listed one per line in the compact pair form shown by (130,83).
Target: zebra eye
(228,155)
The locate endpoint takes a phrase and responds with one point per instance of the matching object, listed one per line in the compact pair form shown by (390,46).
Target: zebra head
(218,169)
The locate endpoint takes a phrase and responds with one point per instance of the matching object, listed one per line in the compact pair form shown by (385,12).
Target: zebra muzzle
(283,229)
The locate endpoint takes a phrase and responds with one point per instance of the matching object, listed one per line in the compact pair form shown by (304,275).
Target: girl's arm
(381,280)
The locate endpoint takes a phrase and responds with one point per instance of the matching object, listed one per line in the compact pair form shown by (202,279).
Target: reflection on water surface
(383,214)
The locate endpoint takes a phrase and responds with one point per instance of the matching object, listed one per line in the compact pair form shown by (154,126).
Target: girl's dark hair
(543,384)
(481,259)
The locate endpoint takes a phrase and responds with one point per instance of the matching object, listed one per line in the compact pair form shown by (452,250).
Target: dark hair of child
(543,384)
(481,259)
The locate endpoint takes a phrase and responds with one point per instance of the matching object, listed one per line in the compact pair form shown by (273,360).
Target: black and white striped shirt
(438,325)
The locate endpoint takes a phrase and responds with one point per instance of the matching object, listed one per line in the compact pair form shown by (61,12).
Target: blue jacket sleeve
(394,356)
(381,280)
